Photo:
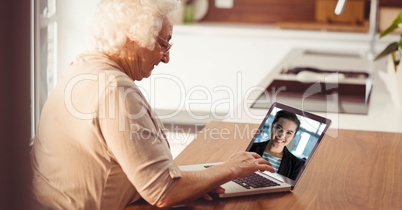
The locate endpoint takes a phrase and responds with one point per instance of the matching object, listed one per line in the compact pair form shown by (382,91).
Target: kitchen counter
(214,68)
(381,115)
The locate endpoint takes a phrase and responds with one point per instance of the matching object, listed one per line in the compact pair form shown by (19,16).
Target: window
(45,55)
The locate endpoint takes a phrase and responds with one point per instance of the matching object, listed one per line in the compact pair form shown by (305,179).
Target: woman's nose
(166,57)
(280,134)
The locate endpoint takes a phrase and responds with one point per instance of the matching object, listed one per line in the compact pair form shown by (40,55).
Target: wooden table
(353,170)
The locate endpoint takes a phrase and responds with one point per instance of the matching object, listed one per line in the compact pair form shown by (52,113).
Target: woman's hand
(204,182)
(245,163)
(218,190)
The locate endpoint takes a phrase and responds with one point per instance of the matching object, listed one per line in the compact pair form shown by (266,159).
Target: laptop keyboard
(253,181)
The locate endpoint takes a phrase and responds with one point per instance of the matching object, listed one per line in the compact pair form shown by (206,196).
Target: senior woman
(99,145)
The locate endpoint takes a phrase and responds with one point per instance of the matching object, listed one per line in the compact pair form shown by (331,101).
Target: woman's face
(282,132)
(160,53)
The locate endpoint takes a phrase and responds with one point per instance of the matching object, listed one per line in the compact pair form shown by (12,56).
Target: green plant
(393,48)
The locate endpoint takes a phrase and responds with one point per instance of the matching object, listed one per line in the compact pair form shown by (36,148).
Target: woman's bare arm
(198,183)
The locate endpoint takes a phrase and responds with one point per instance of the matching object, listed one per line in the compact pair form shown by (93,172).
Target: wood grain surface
(272,11)
(350,170)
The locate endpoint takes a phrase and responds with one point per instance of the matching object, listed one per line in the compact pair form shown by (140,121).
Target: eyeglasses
(165,45)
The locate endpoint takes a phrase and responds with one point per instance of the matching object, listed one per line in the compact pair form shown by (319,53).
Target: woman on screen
(283,129)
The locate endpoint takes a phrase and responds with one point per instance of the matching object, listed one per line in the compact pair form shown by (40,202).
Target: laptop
(303,146)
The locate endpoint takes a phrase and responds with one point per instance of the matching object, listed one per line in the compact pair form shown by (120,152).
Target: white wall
(210,57)
(73,17)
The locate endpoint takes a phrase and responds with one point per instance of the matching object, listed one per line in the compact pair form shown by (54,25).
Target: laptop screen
(288,138)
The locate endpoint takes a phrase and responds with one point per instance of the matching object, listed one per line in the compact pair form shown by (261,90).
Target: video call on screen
(305,139)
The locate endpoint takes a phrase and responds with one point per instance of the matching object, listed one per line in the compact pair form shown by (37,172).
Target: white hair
(137,20)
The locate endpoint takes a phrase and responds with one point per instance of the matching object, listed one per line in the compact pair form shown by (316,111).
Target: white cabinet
(214,68)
